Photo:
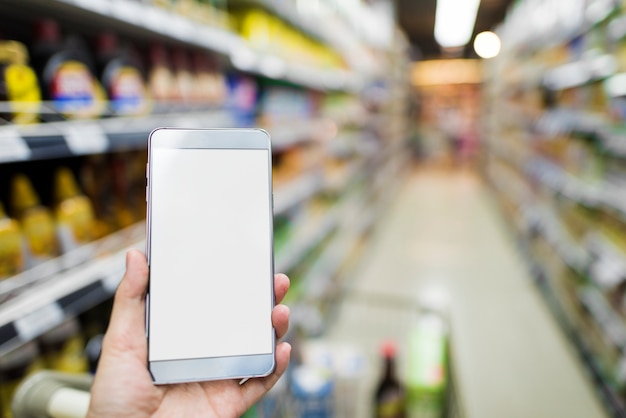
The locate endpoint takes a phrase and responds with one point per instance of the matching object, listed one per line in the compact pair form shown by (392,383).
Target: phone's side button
(147,312)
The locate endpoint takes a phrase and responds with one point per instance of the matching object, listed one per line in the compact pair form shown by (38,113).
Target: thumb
(127,328)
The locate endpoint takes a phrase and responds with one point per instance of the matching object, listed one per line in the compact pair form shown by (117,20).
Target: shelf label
(86,138)
(39,321)
(98,6)
(127,11)
(154,18)
(112,280)
(180,28)
(12,146)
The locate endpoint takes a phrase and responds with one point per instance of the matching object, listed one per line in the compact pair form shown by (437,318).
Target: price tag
(98,6)
(154,18)
(127,11)
(112,280)
(86,138)
(39,321)
(180,28)
(12,146)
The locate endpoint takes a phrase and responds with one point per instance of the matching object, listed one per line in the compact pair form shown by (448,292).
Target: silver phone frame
(211,368)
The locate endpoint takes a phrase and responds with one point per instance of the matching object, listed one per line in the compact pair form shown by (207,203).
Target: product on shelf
(121,76)
(36,221)
(390,393)
(19,87)
(210,86)
(11,246)
(125,197)
(74,212)
(97,188)
(161,82)
(66,72)
(62,348)
(14,368)
(183,75)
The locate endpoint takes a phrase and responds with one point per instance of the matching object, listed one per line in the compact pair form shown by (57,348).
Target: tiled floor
(443,239)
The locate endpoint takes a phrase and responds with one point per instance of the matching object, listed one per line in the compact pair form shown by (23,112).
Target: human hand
(123,387)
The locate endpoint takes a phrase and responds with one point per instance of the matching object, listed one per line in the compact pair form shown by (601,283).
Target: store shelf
(296,191)
(39,299)
(143,20)
(309,235)
(285,135)
(70,138)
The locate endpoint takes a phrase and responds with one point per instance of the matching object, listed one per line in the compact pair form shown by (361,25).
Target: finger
(281,286)
(254,389)
(280,320)
(127,328)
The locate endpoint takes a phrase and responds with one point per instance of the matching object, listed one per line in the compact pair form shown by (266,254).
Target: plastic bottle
(121,76)
(66,73)
(183,76)
(161,83)
(74,213)
(18,84)
(36,221)
(390,395)
(14,367)
(11,248)
(62,348)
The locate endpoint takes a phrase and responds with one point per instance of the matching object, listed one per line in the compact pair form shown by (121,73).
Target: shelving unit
(340,153)
(555,160)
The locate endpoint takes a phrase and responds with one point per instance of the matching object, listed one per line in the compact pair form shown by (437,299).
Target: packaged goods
(62,348)
(74,212)
(121,76)
(66,73)
(11,246)
(390,395)
(36,221)
(19,87)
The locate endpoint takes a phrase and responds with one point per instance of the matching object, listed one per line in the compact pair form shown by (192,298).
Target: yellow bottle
(18,83)
(74,212)
(36,221)
(11,249)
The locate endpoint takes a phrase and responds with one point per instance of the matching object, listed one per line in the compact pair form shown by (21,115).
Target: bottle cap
(389,349)
(65,186)
(13,52)
(47,30)
(23,195)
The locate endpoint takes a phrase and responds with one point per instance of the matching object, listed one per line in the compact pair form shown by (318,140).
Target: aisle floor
(443,238)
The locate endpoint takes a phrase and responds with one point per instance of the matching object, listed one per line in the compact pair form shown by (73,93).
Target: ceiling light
(487,45)
(454,22)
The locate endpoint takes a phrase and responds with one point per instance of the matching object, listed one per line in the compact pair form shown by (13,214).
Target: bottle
(18,84)
(121,76)
(63,348)
(74,213)
(183,76)
(11,250)
(15,366)
(161,83)
(390,395)
(66,73)
(36,221)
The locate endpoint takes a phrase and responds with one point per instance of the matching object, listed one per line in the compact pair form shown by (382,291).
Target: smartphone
(210,251)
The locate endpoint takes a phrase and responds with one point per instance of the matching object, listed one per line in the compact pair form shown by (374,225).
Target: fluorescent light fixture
(454,22)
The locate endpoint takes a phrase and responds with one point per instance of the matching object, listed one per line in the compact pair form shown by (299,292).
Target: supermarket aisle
(444,237)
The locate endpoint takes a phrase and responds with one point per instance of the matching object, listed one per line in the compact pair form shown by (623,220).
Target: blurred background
(449,183)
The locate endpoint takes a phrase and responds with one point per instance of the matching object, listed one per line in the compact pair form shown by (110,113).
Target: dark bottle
(390,395)
(121,75)
(66,72)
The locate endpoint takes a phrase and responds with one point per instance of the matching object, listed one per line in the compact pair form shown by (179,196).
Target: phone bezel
(210,368)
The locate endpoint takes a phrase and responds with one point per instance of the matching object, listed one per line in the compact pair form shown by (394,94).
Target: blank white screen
(210,264)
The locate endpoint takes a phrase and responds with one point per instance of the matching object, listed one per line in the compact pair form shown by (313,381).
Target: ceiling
(417,19)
